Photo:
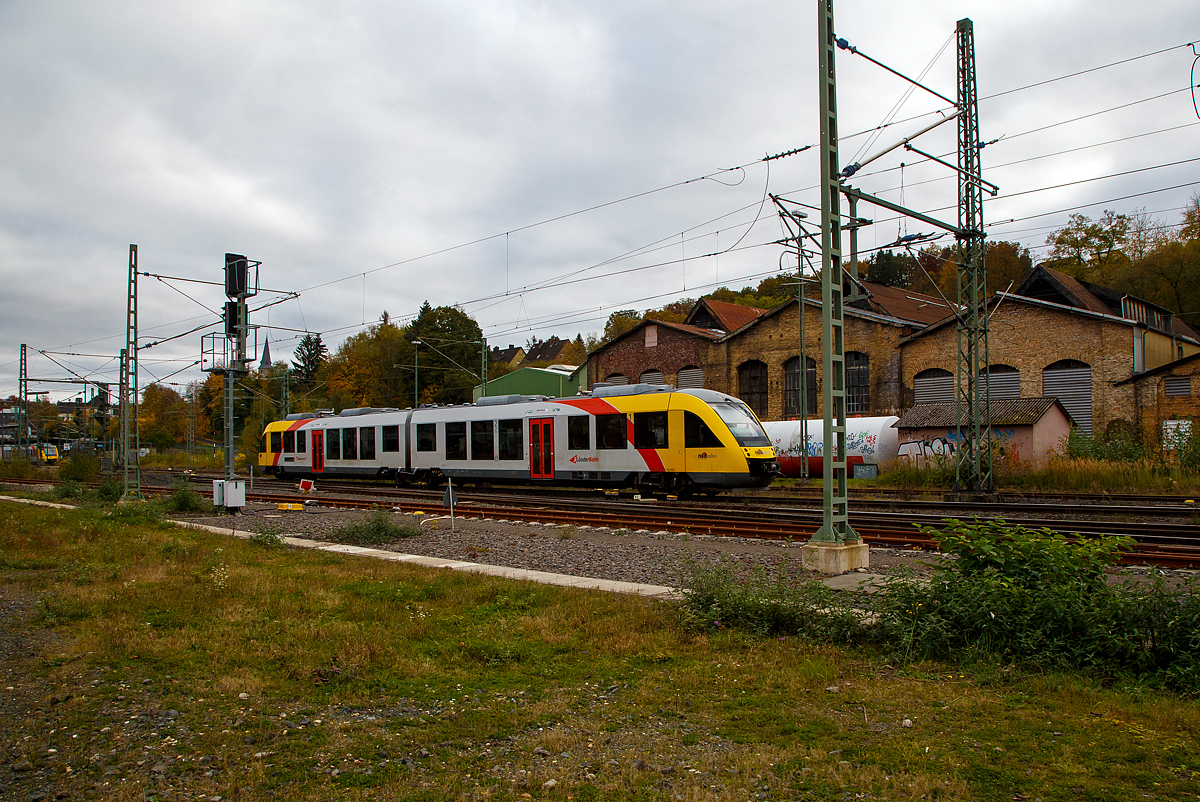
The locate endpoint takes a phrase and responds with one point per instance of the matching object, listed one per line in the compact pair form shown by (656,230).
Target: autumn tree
(162,417)
(450,354)
(1091,249)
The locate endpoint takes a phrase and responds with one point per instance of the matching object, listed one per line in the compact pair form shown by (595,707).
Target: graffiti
(918,451)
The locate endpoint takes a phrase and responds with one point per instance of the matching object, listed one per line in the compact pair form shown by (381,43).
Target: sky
(538,164)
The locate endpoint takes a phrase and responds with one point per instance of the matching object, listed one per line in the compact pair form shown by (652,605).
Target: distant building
(1024,430)
(545,351)
(511,355)
(555,381)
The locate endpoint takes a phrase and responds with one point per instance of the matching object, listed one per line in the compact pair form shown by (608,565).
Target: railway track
(1166,542)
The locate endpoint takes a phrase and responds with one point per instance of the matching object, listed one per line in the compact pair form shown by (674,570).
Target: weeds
(375,529)
(184,498)
(1013,594)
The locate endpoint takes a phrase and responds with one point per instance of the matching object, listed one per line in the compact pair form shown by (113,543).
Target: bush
(80,468)
(184,498)
(69,490)
(1039,598)
(1122,445)
(375,529)
(110,490)
(715,599)
(17,468)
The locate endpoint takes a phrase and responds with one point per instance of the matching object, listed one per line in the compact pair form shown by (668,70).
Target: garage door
(1070,382)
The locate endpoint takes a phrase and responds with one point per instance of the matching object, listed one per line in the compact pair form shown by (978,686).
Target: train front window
(741,421)
(696,433)
(276,442)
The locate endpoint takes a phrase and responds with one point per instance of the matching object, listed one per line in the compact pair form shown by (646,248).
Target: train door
(318,451)
(541,448)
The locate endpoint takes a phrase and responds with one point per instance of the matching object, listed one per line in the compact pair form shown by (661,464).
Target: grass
(312,676)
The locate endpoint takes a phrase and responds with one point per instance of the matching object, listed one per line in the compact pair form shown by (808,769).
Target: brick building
(754,354)
(1055,337)
(1165,399)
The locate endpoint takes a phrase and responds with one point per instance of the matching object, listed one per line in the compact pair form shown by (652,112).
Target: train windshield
(745,427)
(50,451)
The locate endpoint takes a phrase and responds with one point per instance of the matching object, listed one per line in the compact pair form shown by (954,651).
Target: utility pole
(23,407)
(973,463)
(285,401)
(835,527)
(131,442)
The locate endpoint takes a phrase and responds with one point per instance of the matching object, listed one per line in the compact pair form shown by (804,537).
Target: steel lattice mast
(835,526)
(131,442)
(973,464)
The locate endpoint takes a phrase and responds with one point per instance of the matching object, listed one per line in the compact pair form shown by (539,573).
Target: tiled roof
(546,351)
(731,316)
(708,334)
(1005,412)
(906,304)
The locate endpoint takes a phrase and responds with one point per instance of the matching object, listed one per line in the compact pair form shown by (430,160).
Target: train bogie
(639,436)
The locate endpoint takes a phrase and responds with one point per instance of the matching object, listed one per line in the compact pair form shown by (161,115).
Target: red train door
(318,451)
(541,448)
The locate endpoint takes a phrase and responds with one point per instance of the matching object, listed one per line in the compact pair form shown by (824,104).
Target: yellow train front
(643,436)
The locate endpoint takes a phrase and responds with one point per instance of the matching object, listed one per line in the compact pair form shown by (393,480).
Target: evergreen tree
(310,353)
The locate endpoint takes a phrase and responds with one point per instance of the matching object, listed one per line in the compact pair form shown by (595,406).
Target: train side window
(289,442)
(579,436)
(696,433)
(426,437)
(301,442)
(366,442)
(611,431)
(650,430)
(391,439)
(276,443)
(333,446)
(512,439)
(456,440)
(483,439)
(349,443)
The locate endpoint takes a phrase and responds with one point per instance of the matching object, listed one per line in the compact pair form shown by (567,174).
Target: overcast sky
(375,155)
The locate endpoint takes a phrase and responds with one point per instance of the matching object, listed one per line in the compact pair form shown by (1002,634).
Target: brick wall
(1031,337)
(775,339)
(631,357)
(1154,406)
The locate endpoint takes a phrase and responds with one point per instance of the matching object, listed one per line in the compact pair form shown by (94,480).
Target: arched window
(933,386)
(617,378)
(858,383)
(1070,381)
(689,378)
(1004,381)
(752,386)
(651,377)
(791,387)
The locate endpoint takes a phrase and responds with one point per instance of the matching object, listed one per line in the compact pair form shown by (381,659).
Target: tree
(162,416)
(892,269)
(621,322)
(1008,265)
(451,362)
(575,353)
(310,354)
(1091,250)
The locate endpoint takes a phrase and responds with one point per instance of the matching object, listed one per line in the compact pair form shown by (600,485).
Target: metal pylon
(835,527)
(973,463)
(130,430)
(23,407)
